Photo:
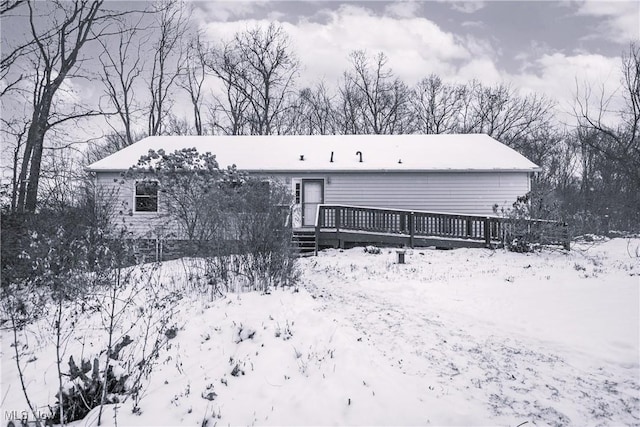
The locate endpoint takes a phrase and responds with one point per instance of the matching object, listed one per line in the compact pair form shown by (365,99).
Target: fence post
(487,231)
(411,228)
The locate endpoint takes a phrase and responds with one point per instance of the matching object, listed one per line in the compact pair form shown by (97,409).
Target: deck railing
(487,229)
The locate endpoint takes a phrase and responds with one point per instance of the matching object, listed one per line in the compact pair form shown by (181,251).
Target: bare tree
(610,150)
(350,108)
(226,64)
(503,114)
(437,106)
(121,68)
(384,98)
(168,61)
(62,178)
(318,110)
(311,112)
(8,5)
(56,57)
(468,121)
(106,145)
(270,69)
(193,78)
(618,142)
(259,68)
(9,57)
(178,126)
(15,133)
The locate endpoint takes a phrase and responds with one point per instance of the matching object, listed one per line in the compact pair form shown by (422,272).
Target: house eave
(326,171)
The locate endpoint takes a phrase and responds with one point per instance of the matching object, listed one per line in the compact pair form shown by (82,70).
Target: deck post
(487,231)
(338,214)
(566,236)
(320,220)
(411,228)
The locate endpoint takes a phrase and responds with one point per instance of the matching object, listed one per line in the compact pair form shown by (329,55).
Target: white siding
(466,192)
(453,192)
(119,195)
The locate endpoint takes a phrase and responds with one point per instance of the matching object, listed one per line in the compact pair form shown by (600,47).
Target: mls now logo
(26,418)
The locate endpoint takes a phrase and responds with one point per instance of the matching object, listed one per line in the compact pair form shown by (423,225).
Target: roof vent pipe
(359,153)
(301,157)
(331,160)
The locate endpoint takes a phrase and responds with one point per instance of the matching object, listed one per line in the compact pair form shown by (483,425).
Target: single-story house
(462,174)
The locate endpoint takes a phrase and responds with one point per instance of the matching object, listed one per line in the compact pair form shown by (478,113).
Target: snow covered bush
(264,257)
(194,192)
(284,333)
(63,268)
(530,224)
(86,389)
(372,250)
(235,221)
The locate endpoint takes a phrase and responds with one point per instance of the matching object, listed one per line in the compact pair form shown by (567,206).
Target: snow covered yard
(461,337)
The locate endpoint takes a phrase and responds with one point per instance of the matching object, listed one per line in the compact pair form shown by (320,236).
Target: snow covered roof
(313,153)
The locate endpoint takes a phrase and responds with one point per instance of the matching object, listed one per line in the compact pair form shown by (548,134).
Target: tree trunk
(34,174)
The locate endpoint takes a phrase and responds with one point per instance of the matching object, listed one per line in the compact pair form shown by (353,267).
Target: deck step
(304,242)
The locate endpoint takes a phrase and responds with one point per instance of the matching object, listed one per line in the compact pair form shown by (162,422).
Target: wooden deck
(342,225)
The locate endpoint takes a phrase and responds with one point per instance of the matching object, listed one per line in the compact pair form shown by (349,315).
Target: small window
(147,196)
(297,193)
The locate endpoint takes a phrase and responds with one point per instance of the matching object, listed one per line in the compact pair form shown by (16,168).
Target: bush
(522,233)
(243,235)
(57,264)
(372,250)
(86,390)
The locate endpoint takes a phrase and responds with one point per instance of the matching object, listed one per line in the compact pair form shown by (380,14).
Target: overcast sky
(542,46)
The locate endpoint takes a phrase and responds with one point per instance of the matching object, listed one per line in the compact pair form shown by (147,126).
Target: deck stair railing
(487,229)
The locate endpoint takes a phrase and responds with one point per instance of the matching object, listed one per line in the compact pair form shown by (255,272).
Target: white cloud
(416,47)
(556,76)
(621,18)
(473,24)
(228,10)
(403,9)
(481,69)
(479,47)
(467,6)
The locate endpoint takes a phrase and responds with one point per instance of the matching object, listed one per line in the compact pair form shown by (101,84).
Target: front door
(312,196)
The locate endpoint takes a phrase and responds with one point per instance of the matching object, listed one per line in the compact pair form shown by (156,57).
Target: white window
(146,199)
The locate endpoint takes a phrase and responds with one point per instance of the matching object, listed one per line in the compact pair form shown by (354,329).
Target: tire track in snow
(514,380)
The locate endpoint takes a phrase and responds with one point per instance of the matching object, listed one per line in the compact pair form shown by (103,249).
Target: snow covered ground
(460,337)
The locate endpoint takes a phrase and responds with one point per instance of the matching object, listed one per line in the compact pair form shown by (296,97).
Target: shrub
(372,250)
(235,221)
(86,390)
(56,263)
(523,233)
